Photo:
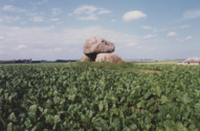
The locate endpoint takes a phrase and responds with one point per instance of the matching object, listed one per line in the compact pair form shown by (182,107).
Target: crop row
(61,97)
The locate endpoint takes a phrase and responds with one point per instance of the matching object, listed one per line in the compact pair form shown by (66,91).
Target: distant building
(180,63)
(192,61)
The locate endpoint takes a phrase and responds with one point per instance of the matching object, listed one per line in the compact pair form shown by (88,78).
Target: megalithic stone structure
(94,47)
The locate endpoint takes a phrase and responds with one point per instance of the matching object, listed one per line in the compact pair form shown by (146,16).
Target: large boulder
(85,59)
(98,45)
(108,57)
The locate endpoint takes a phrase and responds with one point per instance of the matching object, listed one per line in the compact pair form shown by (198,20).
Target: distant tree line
(29,61)
(40,61)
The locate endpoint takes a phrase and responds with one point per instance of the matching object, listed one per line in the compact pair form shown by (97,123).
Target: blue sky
(50,29)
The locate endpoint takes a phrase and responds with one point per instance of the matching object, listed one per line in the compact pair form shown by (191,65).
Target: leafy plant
(63,97)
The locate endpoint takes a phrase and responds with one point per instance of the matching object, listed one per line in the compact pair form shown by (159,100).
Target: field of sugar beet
(99,96)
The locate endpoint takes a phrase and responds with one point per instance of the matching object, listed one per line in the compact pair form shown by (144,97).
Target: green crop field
(160,63)
(99,97)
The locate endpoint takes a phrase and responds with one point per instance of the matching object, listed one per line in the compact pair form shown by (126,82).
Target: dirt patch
(149,71)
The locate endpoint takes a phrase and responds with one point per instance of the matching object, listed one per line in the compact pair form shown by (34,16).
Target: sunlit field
(99,96)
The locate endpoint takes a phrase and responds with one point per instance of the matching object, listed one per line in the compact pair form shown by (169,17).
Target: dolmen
(99,50)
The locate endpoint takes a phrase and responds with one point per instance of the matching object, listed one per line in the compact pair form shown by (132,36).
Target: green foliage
(63,97)
(105,65)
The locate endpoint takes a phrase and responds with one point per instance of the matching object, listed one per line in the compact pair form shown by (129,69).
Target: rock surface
(108,57)
(98,45)
(85,59)
(99,50)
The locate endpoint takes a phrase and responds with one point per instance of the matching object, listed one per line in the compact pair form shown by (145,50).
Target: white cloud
(44,42)
(56,11)
(97,31)
(154,29)
(180,27)
(39,3)
(37,19)
(132,44)
(58,49)
(10,8)
(191,14)
(22,23)
(70,14)
(89,12)
(113,20)
(55,19)
(73,49)
(152,48)
(189,37)
(170,34)
(139,47)
(103,11)
(17,18)
(133,15)
(90,17)
(179,40)
(1,37)
(185,26)
(147,27)
(21,47)
(31,14)
(150,36)
(86,10)
(42,13)
(58,23)
(161,30)
(10,19)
